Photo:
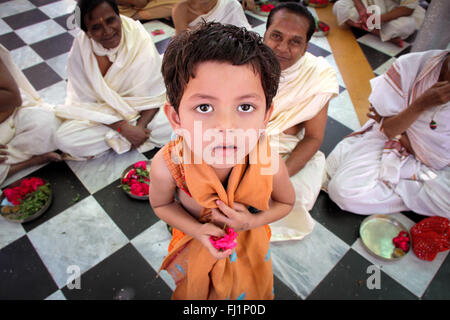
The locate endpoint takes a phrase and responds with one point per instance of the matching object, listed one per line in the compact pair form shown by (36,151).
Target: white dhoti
(402,27)
(225,12)
(132,84)
(30,130)
(305,89)
(368,174)
(307,184)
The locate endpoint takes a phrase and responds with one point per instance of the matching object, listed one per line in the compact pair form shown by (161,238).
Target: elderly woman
(115,88)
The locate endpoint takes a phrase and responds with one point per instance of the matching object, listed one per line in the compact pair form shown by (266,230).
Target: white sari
(369,174)
(305,88)
(132,84)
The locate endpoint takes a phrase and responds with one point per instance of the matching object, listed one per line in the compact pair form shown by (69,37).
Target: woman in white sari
(115,88)
(400,159)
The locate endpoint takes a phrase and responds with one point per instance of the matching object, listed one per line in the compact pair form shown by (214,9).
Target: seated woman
(146,9)
(400,159)
(27,124)
(188,13)
(115,87)
(399,18)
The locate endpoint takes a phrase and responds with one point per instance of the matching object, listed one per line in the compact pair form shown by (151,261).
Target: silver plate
(124,174)
(377,232)
(34,216)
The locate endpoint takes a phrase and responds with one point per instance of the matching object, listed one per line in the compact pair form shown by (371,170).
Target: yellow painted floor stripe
(351,61)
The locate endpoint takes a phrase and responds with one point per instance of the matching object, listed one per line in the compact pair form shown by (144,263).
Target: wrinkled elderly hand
(373,114)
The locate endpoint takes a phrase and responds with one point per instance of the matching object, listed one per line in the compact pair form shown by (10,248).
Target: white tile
(158,25)
(341,109)
(9,232)
(411,272)
(387,47)
(4,27)
(152,244)
(257,16)
(321,42)
(303,264)
(98,173)
(82,236)
(55,94)
(59,64)
(330,59)
(40,31)
(14,7)
(25,57)
(261,29)
(59,8)
(384,67)
(58,295)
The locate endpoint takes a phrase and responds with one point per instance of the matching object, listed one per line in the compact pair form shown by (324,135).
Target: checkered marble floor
(117,243)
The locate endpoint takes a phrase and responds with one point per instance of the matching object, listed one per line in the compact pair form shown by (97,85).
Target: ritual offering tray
(136,179)
(384,237)
(25,200)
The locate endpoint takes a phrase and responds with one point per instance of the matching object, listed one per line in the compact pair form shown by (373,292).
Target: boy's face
(222,113)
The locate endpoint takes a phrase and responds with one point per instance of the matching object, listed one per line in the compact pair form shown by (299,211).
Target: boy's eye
(246,108)
(204,108)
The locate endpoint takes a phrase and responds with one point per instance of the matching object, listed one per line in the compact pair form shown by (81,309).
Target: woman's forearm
(398,124)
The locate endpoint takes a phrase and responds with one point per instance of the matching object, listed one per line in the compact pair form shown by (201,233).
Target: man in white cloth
(188,13)
(27,123)
(115,88)
(399,160)
(398,18)
(297,124)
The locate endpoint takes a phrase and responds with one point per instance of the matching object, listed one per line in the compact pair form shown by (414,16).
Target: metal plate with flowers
(135,180)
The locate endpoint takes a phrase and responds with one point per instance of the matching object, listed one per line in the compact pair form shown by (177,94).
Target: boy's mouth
(224,150)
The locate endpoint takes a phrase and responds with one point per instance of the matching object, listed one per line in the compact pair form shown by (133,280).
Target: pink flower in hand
(226,242)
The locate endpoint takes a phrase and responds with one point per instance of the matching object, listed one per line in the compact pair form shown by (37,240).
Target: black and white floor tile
(117,243)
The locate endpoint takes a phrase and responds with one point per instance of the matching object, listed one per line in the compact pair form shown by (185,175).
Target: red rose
(141,165)
(267,7)
(12,195)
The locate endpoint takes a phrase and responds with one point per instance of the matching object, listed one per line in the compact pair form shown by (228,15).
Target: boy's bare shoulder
(159,171)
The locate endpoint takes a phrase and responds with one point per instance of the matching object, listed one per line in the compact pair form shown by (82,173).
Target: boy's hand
(238,217)
(207,230)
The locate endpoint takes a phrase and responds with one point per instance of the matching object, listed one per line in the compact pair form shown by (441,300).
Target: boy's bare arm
(281,203)
(180,16)
(161,196)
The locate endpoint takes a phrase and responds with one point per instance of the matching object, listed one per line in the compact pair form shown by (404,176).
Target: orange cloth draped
(247,273)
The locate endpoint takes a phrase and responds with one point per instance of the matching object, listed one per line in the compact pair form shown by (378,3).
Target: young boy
(220,83)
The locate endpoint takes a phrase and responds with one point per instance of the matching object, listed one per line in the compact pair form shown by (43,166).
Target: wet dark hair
(213,41)
(87,6)
(298,9)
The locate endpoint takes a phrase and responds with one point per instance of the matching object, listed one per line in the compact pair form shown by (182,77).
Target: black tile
(25,19)
(254,22)
(282,291)
(150,154)
(40,3)
(414,216)
(11,41)
(23,274)
(341,89)
(439,289)
(41,76)
(66,190)
(358,33)
(162,45)
(62,20)
(350,280)
(125,275)
(334,133)
(343,224)
(317,51)
(404,51)
(130,215)
(376,58)
(52,47)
